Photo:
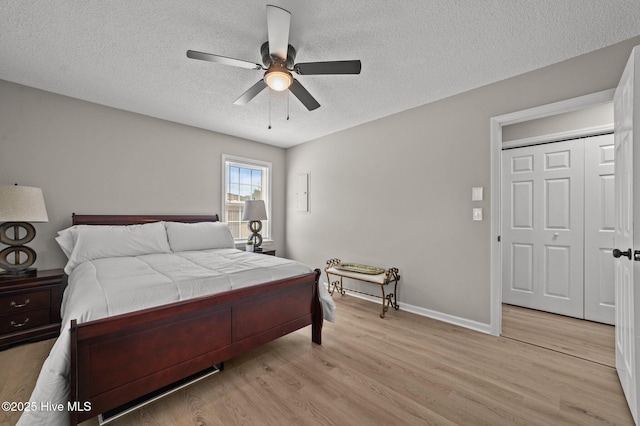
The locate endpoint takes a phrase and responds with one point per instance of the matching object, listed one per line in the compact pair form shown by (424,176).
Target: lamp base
(255,226)
(8,275)
(23,256)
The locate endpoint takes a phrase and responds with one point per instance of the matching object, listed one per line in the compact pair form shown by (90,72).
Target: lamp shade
(254,210)
(22,204)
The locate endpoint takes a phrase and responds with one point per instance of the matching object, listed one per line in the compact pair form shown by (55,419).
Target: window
(245,179)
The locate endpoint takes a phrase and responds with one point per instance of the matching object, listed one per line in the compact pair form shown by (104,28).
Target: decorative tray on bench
(361,269)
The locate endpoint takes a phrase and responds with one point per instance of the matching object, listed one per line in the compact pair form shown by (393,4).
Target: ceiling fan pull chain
(269,110)
(288,97)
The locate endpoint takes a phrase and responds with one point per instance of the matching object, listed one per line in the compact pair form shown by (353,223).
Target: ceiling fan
(278,58)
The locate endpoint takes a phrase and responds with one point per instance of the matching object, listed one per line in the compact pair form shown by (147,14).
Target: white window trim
(250,162)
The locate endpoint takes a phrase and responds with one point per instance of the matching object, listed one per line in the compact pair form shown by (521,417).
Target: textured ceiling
(132,54)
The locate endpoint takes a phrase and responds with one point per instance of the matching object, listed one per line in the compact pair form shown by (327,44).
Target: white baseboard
(451,319)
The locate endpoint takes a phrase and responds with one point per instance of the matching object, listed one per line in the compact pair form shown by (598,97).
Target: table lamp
(19,205)
(255,212)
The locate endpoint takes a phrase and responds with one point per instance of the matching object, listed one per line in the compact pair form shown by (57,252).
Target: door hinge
(498,238)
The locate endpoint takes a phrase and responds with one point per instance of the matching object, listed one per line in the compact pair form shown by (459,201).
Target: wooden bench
(367,274)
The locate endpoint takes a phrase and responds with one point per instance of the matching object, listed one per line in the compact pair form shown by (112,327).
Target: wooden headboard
(102,219)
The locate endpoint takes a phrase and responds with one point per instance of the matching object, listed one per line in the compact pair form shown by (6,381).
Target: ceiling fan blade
(330,67)
(223,60)
(251,93)
(278,23)
(303,95)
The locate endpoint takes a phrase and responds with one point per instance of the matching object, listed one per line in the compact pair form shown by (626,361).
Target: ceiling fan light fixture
(278,80)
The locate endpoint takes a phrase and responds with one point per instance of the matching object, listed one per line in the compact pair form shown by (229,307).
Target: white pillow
(66,239)
(97,242)
(199,236)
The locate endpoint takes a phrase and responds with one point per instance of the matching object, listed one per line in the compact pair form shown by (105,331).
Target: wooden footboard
(118,359)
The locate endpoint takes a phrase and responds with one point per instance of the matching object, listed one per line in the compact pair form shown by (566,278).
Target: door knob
(617,253)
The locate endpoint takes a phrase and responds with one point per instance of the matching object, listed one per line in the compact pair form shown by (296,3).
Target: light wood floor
(584,339)
(401,370)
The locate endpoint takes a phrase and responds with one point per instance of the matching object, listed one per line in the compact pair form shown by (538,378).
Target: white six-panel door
(627,271)
(599,224)
(597,207)
(543,220)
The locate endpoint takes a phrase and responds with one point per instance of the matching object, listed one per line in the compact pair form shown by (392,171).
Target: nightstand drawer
(30,307)
(20,321)
(24,301)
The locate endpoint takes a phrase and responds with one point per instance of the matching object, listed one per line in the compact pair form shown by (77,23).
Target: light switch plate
(477,213)
(476,193)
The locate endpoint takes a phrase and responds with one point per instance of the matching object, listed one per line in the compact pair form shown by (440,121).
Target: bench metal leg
(385,302)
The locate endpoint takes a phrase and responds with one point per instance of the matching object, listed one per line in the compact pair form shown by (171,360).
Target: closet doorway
(558,224)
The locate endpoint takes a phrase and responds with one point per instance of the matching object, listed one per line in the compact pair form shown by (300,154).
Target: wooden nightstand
(30,307)
(267,252)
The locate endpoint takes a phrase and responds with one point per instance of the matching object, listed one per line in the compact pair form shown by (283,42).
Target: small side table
(267,252)
(382,279)
(30,307)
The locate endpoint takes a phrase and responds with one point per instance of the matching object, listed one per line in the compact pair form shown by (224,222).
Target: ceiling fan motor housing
(268,60)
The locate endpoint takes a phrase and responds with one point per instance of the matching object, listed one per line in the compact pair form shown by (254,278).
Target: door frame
(496,124)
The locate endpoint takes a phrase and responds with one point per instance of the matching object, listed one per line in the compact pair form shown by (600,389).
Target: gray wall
(92,159)
(599,115)
(393,192)
(397,191)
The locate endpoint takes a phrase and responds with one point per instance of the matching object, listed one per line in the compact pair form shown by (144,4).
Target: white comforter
(105,287)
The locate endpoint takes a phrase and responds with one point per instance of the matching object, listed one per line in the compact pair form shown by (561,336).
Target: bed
(126,355)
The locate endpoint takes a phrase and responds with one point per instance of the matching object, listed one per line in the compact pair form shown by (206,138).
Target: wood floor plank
(585,339)
(404,369)
(19,370)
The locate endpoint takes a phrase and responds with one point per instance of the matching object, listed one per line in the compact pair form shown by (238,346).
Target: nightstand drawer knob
(18,325)
(15,305)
